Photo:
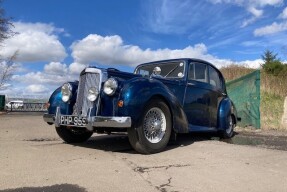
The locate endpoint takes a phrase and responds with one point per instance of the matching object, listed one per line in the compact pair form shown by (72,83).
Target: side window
(191,72)
(214,78)
(198,72)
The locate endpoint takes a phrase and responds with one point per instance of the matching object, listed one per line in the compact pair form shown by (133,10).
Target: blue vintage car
(157,101)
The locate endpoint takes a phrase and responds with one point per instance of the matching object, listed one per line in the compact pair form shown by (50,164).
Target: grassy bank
(271,110)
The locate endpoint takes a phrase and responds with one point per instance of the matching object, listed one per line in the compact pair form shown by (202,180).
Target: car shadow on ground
(53,188)
(120,142)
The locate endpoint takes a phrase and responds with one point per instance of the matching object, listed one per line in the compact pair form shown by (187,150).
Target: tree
(7,68)
(272,64)
(5,25)
(269,56)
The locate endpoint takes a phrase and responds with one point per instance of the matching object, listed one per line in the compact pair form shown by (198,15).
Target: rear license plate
(73,121)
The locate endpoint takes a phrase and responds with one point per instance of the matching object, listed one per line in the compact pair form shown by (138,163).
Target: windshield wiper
(172,70)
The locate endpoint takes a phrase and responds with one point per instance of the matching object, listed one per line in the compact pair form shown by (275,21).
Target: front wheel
(153,133)
(72,135)
(229,131)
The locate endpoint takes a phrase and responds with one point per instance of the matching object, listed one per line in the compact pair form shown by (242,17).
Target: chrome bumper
(92,121)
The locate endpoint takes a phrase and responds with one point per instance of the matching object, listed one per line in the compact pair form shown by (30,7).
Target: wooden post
(284,116)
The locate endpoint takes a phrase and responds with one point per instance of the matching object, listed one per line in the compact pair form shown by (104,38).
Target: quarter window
(214,78)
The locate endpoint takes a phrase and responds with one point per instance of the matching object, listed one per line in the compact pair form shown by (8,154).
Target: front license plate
(73,120)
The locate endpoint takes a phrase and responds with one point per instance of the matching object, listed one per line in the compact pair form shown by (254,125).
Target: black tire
(73,135)
(138,134)
(228,133)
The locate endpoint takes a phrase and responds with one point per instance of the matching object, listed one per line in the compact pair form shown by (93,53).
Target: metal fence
(27,107)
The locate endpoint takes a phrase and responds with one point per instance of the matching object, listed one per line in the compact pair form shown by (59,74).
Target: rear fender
(226,108)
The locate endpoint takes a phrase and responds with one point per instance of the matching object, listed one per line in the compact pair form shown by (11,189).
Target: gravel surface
(33,158)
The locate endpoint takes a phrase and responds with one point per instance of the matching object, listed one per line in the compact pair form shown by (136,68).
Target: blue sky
(58,38)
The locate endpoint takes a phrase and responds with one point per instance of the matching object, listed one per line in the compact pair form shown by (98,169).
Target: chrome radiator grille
(87,80)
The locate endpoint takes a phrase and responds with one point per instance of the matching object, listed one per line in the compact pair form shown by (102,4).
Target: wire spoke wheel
(153,131)
(154,125)
(230,125)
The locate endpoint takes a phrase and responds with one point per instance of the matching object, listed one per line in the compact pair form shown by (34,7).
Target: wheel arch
(226,108)
(55,100)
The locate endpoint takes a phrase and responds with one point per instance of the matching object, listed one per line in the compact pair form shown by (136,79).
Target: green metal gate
(2,102)
(245,93)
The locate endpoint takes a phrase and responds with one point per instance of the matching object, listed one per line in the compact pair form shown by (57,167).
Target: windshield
(167,70)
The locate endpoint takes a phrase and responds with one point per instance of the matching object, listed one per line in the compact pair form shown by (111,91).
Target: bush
(273,65)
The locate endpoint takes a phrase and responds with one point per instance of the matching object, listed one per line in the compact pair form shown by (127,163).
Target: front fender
(226,108)
(55,101)
(137,92)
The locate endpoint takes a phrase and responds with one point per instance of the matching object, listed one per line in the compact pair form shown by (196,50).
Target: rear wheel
(153,133)
(73,135)
(229,131)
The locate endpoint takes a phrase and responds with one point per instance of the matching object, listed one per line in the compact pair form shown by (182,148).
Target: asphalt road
(33,158)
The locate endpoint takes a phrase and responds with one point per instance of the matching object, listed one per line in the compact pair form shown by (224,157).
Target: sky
(56,39)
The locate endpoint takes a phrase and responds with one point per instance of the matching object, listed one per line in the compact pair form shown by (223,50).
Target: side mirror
(156,71)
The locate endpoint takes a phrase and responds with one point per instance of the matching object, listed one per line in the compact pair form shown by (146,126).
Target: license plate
(73,121)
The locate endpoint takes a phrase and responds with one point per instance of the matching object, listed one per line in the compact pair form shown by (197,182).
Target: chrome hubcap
(230,126)
(154,125)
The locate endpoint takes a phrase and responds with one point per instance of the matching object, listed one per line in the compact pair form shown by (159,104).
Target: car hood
(120,74)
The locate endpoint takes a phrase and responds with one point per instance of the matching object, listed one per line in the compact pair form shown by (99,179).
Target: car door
(217,93)
(197,95)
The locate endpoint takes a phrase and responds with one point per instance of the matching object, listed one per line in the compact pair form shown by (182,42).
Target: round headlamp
(93,93)
(66,92)
(110,86)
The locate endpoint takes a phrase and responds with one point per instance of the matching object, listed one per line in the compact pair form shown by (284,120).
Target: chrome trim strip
(117,122)
(89,119)
(92,70)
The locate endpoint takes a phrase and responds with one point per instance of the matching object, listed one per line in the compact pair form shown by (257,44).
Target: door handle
(190,83)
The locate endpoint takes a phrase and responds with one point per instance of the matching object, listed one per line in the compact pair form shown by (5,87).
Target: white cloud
(76,68)
(249,3)
(263,3)
(271,29)
(56,68)
(255,12)
(41,78)
(35,42)
(255,7)
(255,64)
(249,21)
(38,83)
(32,27)
(168,17)
(112,50)
(283,15)
(36,88)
